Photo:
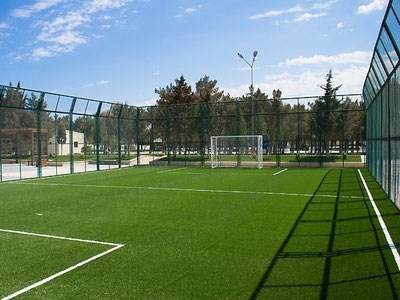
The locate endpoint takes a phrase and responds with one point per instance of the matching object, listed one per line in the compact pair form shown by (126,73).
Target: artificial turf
(200,233)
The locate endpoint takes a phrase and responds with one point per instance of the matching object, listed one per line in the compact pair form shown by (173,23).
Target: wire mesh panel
(382,96)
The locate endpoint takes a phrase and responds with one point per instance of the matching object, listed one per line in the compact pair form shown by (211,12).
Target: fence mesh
(382,99)
(81,135)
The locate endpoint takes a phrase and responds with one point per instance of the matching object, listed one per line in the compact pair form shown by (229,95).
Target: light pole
(251,88)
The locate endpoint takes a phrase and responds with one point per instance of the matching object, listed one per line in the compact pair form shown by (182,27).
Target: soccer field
(199,233)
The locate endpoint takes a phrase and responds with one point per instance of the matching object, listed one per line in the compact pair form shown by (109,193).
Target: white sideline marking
(149,188)
(277,173)
(171,170)
(45,280)
(389,240)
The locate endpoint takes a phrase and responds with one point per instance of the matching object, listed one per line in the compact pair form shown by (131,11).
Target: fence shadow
(334,249)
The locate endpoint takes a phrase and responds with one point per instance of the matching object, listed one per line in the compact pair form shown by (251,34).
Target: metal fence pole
(202,135)
(97,135)
(1,146)
(119,136)
(39,135)
(71,136)
(168,136)
(138,136)
(278,134)
(238,132)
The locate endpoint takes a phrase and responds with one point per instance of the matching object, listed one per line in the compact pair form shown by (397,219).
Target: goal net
(237,151)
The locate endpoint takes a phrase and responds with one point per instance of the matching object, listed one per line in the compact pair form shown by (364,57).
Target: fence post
(39,135)
(1,147)
(168,137)
(71,136)
(137,136)
(97,136)
(278,134)
(119,136)
(319,138)
(202,135)
(238,132)
(298,133)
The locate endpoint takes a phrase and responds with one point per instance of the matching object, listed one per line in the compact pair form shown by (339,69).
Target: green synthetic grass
(199,233)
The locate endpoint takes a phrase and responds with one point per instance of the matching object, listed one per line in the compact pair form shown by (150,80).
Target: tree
(175,127)
(325,121)
(180,93)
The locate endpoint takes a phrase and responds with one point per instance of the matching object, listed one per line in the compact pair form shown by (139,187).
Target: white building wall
(63,149)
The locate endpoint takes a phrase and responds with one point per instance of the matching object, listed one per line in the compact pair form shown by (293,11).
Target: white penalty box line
(47,279)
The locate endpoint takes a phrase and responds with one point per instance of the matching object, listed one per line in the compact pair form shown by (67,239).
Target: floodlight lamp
(240,55)
(255,54)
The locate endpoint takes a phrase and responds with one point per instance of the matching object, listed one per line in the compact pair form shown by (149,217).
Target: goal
(237,151)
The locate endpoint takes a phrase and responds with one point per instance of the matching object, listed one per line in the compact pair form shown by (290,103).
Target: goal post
(237,151)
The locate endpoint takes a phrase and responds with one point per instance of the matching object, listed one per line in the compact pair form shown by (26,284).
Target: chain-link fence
(297,132)
(382,98)
(45,134)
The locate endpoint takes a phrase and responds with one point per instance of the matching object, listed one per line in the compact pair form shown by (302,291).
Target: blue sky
(121,50)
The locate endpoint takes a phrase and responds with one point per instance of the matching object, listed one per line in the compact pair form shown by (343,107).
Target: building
(78,142)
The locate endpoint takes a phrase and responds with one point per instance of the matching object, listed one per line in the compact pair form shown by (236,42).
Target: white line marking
(45,280)
(277,173)
(389,240)
(171,170)
(186,190)
(223,173)
(58,237)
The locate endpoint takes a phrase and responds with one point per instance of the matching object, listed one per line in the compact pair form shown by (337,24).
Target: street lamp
(251,88)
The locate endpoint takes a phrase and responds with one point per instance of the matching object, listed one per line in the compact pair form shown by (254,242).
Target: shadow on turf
(289,261)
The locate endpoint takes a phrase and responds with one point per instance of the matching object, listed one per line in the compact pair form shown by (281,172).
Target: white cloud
(3,26)
(357,57)
(307,83)
(149,102)
(271,13)
(307,17)
(372,6)
(339,25)
(98,83)
(102,82)
(274,13)
(188,10)
(41,52)
(297,9)
(191,9)
(38,6)
(102,5)
(69,29)
(324,5)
